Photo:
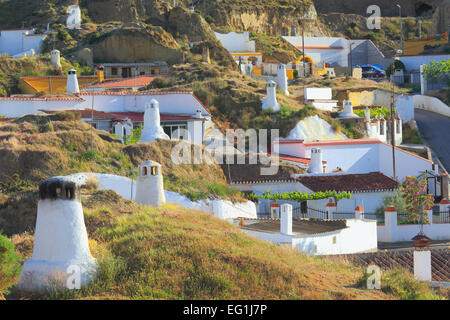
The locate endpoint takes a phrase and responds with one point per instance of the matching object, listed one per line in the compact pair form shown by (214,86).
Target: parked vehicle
(372,71)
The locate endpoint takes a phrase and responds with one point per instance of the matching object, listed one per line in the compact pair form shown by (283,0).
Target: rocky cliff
(441,18)
(411,8)
(261,16)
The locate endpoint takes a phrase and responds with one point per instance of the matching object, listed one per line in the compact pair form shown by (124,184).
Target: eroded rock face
(256,15)
(411,8)
(137,44)
(441,18)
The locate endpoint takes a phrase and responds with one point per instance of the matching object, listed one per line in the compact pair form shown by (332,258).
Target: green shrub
(397,65)
(15,184)
(9,264)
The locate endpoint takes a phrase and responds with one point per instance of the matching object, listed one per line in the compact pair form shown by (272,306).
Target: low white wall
(431,104)
(407,232)
(405,107)
(124,186)
(359,236)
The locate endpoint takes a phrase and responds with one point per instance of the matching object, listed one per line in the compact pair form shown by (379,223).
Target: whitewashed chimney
(270,102)
(198,114)
(152,129)
(61,247)
(72,82)
(286,219)
(55,58)
(347,110)
(282,79)
(315,165)
(422,265)
(150,185)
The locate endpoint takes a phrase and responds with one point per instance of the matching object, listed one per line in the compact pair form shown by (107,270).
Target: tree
(417,200)
(397,66)
(437,70)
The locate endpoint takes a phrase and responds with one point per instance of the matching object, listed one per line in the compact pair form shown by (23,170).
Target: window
(176,131)
(153,169)
(145,171)
(114,71)
(334,239)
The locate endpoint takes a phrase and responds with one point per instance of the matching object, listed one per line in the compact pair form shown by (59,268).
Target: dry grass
(176,253)
(38,147)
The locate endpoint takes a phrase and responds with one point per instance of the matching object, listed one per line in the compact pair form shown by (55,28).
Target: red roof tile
(133,116)
(348,182)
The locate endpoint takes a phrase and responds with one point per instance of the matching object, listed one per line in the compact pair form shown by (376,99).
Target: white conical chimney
(270,102)
(315,165)
(150,185)
(72,82)
(61,248)
(282,80)
(152,125)
(55,58)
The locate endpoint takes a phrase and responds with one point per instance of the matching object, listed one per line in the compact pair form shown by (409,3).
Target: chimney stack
(315,165)
(270,101)
(282,79)
(72,82)
(286,219)
(60,239)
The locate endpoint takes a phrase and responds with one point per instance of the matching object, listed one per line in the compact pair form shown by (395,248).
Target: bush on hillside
(9,264)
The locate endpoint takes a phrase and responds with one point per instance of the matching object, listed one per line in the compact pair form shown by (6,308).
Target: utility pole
(303,49)
(401,26)
(392,116)
(351,59)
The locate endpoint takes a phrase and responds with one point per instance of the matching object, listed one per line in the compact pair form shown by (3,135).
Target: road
(436,131)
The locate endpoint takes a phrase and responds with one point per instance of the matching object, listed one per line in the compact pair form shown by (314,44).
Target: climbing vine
(298,196)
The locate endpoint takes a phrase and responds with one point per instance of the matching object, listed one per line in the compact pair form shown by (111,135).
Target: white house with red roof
(179,110)
(356,156)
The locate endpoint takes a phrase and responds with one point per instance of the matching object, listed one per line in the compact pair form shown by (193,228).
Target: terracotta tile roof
(440,259)
(128,93)
(348,182)
(133,116)
(50,98)
(134,82)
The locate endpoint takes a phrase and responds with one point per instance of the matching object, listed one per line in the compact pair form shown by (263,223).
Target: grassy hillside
(12,69)
(176,253)
(37,147)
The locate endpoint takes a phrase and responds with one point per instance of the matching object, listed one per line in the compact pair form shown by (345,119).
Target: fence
(441,217)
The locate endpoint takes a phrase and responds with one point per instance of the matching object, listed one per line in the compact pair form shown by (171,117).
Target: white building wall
(235,42)
(14,42)
(414,62)
(359,236)
(195,129)
(358,158)
(407,164)
(401,233)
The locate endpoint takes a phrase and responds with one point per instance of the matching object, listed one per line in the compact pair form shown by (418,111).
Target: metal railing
(441,217)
